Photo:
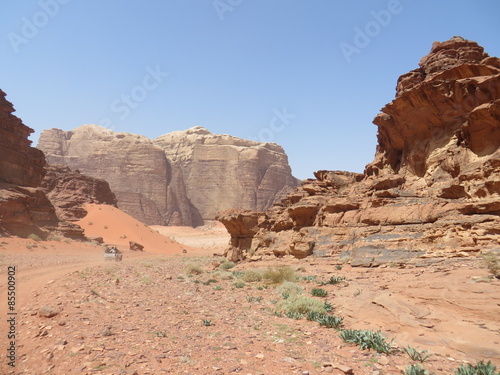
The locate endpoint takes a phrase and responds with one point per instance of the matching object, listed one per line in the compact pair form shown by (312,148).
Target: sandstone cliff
(222,171)
(433,187)
(180,178)
(69,190)
(24,207)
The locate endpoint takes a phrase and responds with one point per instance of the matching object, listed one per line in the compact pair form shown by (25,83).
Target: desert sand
(150,314)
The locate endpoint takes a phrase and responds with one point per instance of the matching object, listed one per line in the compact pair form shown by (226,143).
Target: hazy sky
(307,74)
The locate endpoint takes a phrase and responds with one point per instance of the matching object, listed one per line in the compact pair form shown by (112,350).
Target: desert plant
(207,322)
(294,315)
(288,288)
(34,237)
(492,262)
(334,280)
(367,340)
(209,281)
(251,276)
(310,278)
(193,269)
(218,287)
(328,306)
(415,355)
(415,370)
(227,265)
(279,275)
(479,368)
(239,284)
(301,304)
(330,321)
(318,292)
(160,333)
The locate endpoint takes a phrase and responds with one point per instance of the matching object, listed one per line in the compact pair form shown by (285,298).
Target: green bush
(367,340)
(334,280)
(301,304)
(416,355)
(279,274)
(318,292)
(480,368)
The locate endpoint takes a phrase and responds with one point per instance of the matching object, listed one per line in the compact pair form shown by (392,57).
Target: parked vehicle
(112,253)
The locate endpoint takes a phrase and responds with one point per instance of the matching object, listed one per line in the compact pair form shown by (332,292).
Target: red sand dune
(118,228)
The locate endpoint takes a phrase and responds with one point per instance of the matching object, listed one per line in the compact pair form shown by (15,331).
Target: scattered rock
(135,246)
(48,311)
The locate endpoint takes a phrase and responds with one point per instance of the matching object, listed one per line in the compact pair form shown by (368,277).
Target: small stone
(383,360)
(47,311)
(259,356)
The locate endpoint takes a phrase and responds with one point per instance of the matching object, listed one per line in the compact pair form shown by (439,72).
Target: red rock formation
(180,178)
(69,190)
(24,207)
(434,184)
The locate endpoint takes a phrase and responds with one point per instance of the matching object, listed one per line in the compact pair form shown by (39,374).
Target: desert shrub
(34,237)
(279,274)
(54,237)
(366,340)
(334,280)
(251,276)
(415,370)
(294,315)
(193,269)
(330,321)
(287,288)
(227,265)
(492,262)
(318,292)
(300,304)
(479,368)
(310,278)
(239,284)
(416,355)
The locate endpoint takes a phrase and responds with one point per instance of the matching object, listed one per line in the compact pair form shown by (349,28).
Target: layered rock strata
(70,190)
(181,178)
(432,189)
(24,207)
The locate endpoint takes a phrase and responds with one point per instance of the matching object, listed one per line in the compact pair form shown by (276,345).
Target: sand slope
(118,228)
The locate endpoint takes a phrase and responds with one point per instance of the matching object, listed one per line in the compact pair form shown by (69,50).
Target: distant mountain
(180,178)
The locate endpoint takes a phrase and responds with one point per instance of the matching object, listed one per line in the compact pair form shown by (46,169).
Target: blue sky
(270,70)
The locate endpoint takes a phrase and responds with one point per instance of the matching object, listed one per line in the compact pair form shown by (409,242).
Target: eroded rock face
(181,178)
(224,172)
(20,164)
(433,187)
(69,190)
(24,207)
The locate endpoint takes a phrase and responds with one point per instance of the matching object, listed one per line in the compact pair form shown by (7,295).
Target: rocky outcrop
(181,178)
(24,207)
(69,190)
(225,172)
(432,189)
